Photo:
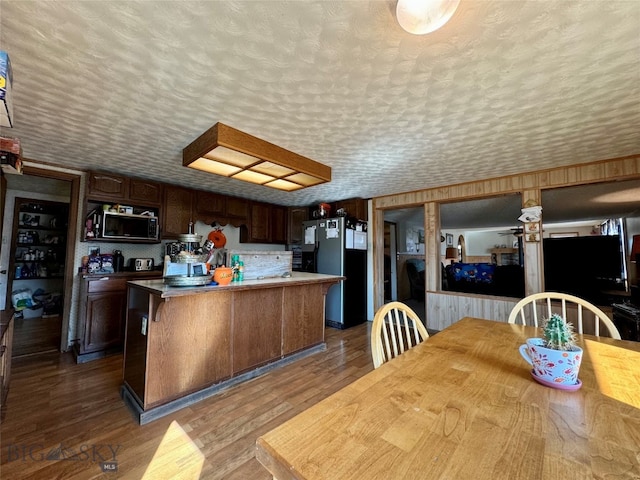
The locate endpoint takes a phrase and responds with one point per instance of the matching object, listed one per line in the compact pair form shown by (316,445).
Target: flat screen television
(583,266)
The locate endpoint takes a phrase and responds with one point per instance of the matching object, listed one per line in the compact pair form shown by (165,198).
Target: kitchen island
(184,344)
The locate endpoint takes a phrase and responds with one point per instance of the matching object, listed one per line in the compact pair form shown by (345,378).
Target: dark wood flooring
(65,420)
(36,335)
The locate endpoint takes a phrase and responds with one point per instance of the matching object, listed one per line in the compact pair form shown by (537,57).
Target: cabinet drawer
(107,285)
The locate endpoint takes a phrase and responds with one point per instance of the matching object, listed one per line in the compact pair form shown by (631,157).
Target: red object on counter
(218,238)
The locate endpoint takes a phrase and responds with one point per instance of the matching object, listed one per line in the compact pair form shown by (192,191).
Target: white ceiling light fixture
(424,16)
(223,150)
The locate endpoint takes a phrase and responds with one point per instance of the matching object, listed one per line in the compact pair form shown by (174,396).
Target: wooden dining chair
(544,304)
(396,328)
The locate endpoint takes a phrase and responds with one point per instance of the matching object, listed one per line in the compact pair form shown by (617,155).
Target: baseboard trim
(145,416)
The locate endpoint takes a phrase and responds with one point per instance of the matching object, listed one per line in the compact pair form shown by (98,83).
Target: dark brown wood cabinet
(6,340)
(355,207)
(161,345)
(296,215)
(237,208)
(212,207)
(108,187)
(177,211)
(278,224)
(258,229)
(143,192)
(267,224)
(102,316)
(209,204)
(101,320)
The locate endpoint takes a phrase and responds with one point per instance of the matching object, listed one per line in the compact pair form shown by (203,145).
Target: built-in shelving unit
(37,262)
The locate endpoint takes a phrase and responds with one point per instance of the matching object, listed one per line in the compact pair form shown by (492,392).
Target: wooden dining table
(463,405)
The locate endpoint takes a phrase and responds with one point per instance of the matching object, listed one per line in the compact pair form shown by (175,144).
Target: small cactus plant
(558,333)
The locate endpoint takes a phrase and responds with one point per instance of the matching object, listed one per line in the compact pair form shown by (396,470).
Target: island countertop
(157,287)
(183,344)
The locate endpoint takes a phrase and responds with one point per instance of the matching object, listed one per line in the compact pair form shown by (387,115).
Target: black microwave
(127,226)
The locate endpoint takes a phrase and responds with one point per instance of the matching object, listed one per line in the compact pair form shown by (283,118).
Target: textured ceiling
(504,87)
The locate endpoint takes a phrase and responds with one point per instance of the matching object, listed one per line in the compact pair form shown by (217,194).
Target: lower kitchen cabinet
(102,316)
(6,340)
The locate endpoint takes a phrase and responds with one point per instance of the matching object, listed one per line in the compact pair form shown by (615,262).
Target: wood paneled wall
(445,308)
(448,307)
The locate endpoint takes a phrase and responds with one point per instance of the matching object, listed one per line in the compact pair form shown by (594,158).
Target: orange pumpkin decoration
(223,275)
(218,238)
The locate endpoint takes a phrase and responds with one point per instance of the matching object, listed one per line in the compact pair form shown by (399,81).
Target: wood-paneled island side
(184,344)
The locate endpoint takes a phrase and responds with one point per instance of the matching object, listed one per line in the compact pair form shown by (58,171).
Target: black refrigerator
(338,246)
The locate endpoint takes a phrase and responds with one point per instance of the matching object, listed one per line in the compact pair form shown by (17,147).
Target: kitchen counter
(184,344)
(157,287)
(126,273)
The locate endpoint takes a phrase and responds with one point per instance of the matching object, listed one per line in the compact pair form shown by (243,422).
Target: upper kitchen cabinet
(237,210)
(354,207)
(143,192)
(121,189)
(210,206)
(213,207)
(259,228)
(106,186)
(177,211)
(296,215)
(267,224)
(278,224)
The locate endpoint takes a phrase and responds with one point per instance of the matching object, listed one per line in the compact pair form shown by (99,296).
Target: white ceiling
(504,87)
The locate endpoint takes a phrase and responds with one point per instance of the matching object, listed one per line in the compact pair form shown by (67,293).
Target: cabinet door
(209,205)
(297,215)
(237,208)
(104,325)
(278,224)
(257,328)
(103,186)
(355,207)
(145,192)
(302,317)
(176,211)
(5,362)
(259,229)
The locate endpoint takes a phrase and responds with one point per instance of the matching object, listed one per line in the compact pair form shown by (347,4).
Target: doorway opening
(39,225)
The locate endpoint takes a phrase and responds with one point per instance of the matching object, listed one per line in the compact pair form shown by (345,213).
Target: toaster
(141,264)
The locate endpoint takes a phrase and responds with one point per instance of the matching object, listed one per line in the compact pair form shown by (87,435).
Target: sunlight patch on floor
(177,457)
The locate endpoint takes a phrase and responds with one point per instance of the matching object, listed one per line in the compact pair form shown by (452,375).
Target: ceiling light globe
(424,16)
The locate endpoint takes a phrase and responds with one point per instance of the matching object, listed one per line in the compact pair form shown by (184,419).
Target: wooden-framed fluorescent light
(223,150)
